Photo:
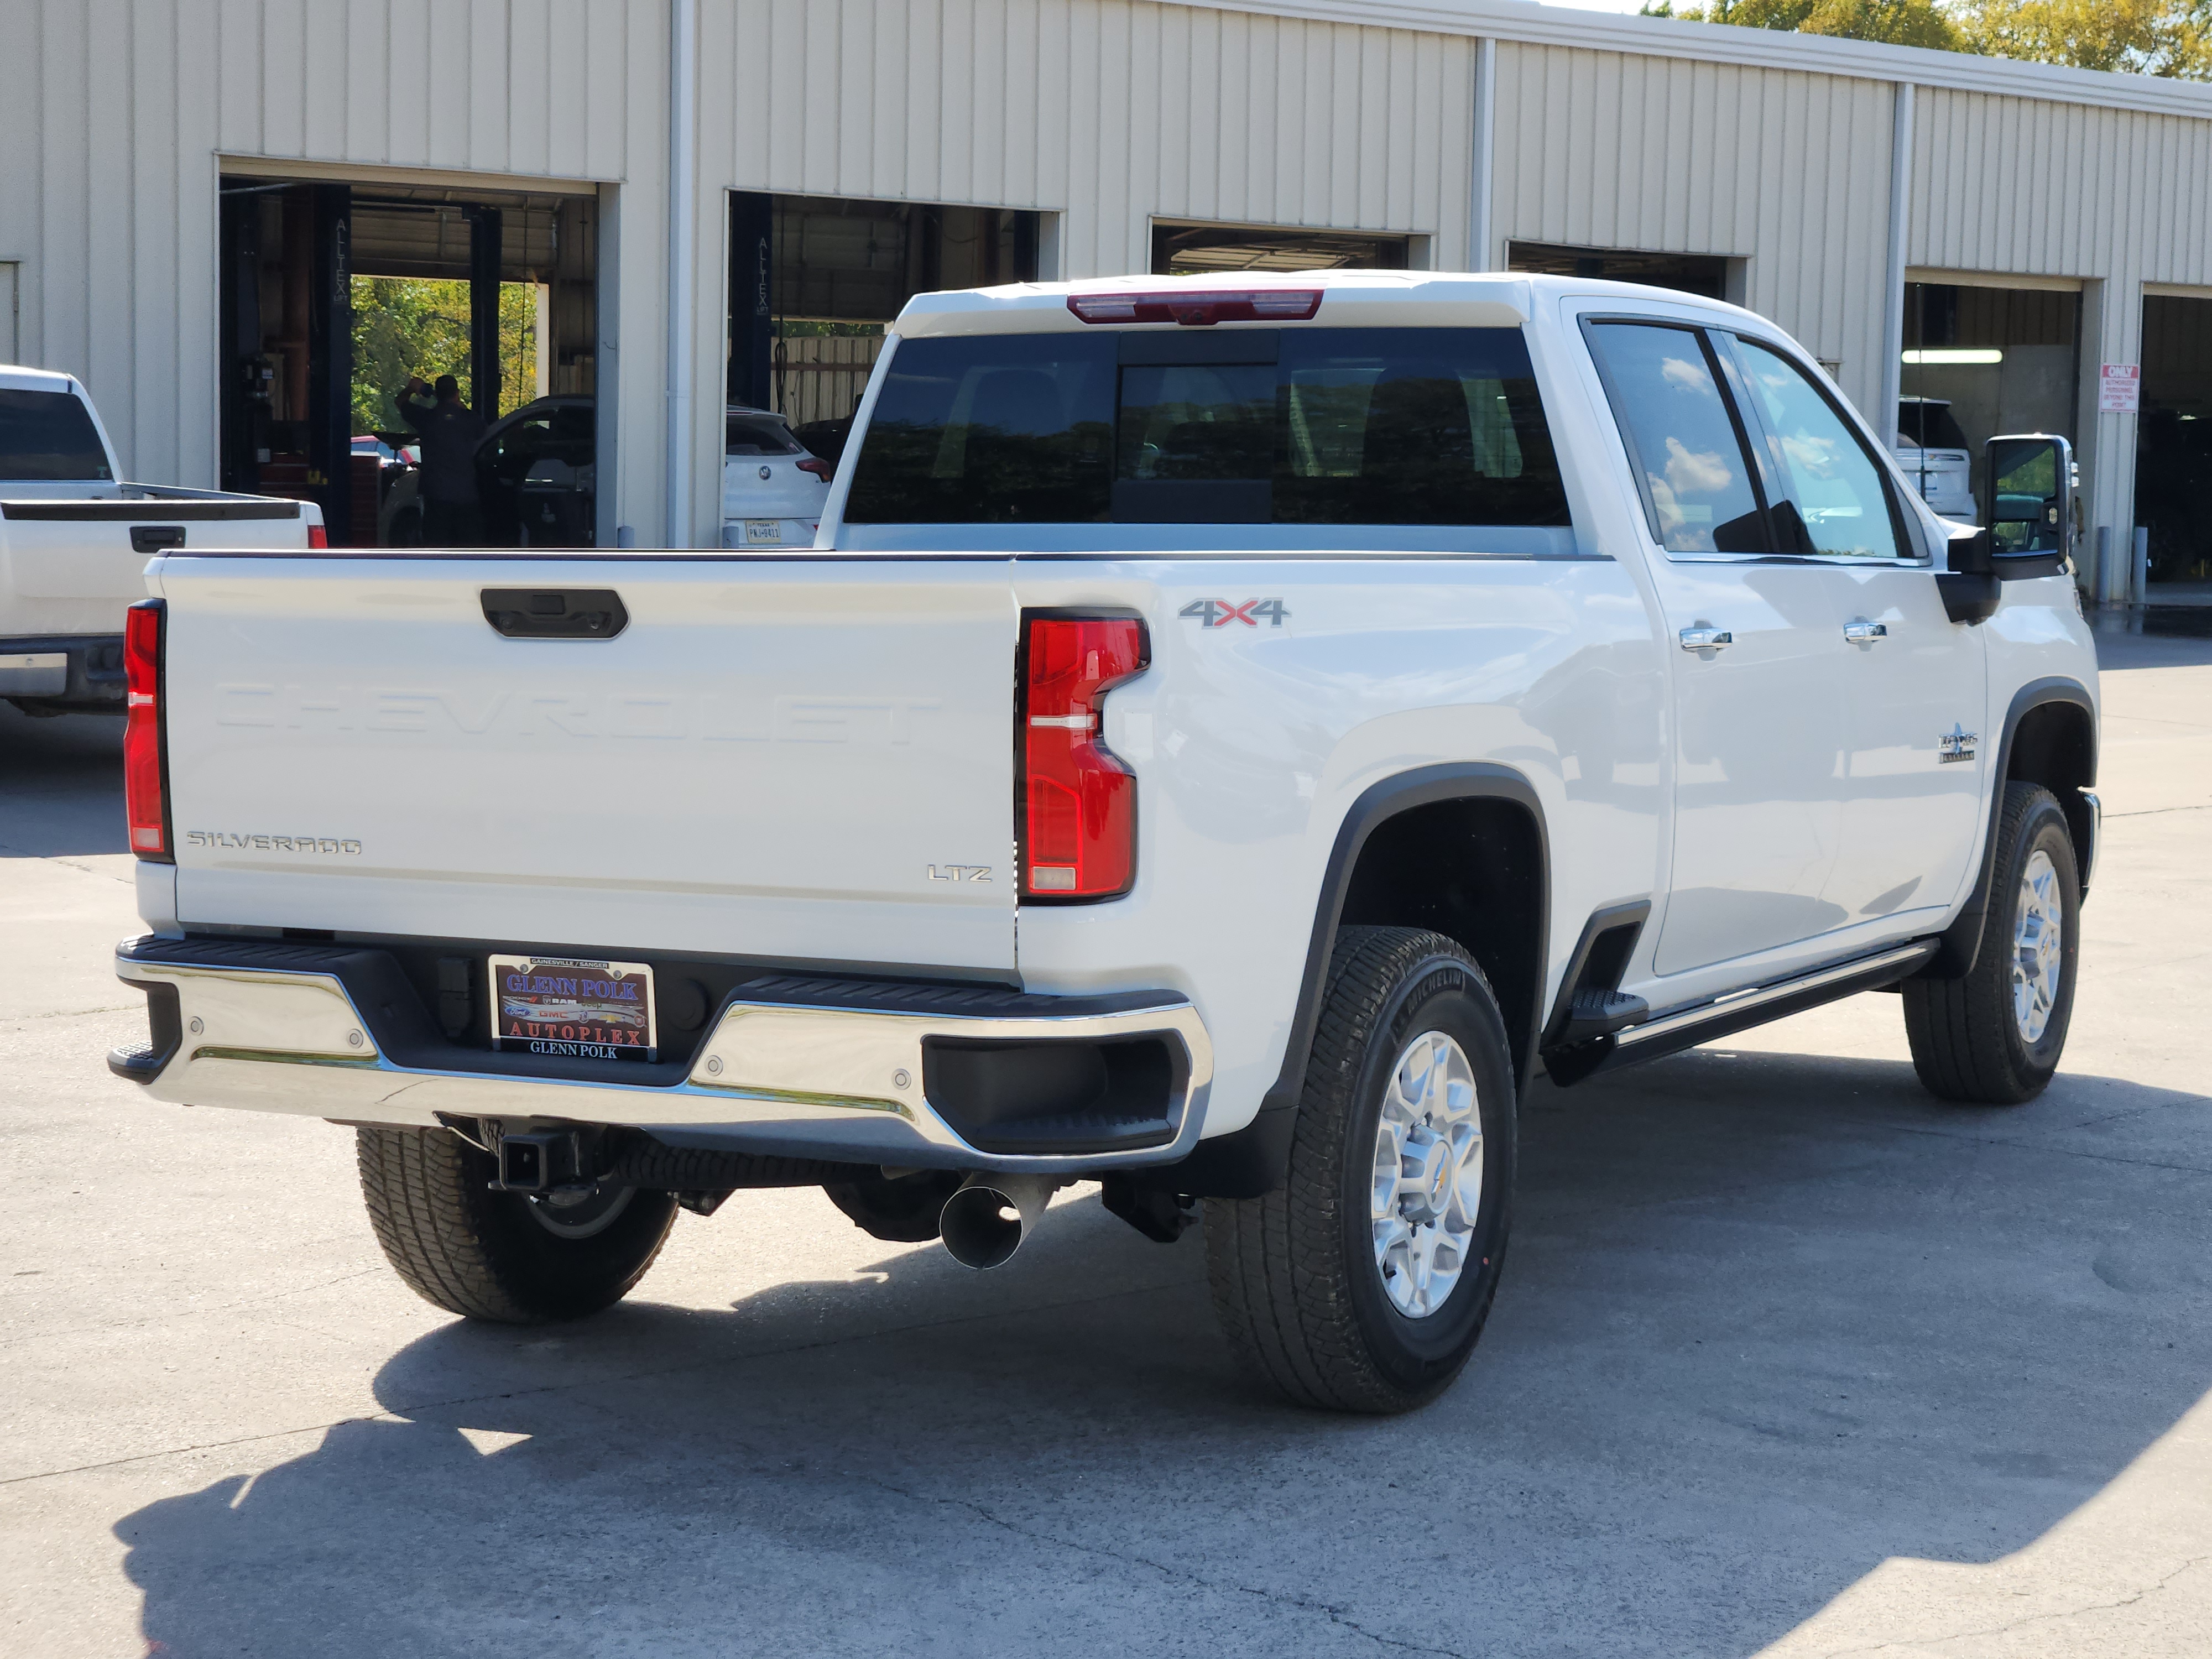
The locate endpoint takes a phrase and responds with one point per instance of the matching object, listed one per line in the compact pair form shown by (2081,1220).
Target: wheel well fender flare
(1961,941)
(1252,1160)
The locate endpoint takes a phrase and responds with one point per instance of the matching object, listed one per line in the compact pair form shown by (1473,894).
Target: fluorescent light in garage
(1957,355)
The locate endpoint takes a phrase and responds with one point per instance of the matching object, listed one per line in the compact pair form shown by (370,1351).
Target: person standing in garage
(451,430)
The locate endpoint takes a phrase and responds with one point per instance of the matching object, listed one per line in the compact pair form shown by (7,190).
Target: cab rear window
(1928,424)
(1309,426)
(744,434)
(48,436)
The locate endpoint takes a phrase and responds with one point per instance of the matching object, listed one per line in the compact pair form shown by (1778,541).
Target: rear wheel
(1363,1282)
(1994,1038)
(510,1257)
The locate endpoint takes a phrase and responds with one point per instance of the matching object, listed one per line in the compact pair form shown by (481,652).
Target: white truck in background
(1226,735)
(75,539)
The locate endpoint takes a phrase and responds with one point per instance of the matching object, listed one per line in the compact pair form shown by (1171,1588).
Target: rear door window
(49,436)
(1318,426)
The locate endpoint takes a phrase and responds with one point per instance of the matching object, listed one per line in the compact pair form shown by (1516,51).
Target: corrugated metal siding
(117,110)
(1789,172)
(2114,197)
(1128,111)
(1107,112)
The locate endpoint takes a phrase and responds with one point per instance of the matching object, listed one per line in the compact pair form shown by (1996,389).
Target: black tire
(1296,1282)
(1967,1045)
(488,1256)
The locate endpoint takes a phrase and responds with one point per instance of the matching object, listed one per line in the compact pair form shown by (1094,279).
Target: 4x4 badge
(1219,613)
(1955,744)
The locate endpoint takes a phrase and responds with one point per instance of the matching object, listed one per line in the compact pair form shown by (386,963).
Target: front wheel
(509,1257)
(1993,1037)
(1363,1282)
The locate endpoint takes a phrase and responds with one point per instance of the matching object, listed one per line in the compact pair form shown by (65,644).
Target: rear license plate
(579,1009)
(763,532)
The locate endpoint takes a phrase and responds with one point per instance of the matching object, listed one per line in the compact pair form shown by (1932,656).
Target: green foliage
(1898,23)
(404,326)
(2171,37)
(794,327)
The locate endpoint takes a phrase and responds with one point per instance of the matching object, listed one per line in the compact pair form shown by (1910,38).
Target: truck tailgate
(782,758)
(70,566)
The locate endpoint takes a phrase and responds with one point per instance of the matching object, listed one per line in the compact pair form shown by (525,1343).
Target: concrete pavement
(1789,1359)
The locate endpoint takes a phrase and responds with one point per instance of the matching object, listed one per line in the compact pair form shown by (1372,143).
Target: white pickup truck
(74,542)
(1226,737)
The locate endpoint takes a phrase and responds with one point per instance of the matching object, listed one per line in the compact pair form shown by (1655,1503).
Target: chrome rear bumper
(803,1068)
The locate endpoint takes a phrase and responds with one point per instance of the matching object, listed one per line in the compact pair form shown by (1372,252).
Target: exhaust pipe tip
(984,1222)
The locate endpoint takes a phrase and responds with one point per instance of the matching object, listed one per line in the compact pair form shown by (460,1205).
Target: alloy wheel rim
(2038,937)
(1427,1189)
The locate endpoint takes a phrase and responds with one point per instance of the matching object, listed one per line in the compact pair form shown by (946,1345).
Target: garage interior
(1710,276)
(2173,443)
(1192,249)
(2002,359)
(814,280)
(291,252)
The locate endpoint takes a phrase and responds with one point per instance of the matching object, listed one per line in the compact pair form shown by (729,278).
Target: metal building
(721,200)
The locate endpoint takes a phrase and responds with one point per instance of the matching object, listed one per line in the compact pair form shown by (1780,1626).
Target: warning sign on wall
(2119,389)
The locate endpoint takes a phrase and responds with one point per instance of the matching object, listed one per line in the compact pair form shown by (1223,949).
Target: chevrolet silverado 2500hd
(1225,737)
(74,542)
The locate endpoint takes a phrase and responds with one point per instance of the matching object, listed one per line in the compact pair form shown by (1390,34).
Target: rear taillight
(145,792)
(1078,803)
(1200,307)
(820,468)
(317,536)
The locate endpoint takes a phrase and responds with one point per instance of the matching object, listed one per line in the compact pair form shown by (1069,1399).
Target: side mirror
(1969,587)
(2027,504)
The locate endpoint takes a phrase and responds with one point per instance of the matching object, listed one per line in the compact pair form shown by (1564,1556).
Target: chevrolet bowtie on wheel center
(1226,737)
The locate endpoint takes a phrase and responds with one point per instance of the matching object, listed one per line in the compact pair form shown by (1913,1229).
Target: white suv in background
(773,490)
(1935,456)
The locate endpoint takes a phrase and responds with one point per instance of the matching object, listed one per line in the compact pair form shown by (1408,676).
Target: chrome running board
(1676,1029)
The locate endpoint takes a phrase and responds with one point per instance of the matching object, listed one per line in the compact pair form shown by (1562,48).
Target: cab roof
(1396,299)
(18,377)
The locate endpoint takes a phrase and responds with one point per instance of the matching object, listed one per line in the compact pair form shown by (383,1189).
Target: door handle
(1865,633)
(1706,639)
(154,537)
(572,613)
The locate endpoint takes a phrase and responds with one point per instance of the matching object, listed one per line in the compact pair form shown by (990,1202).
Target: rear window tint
(758,435)
(48,436)
(1321,426)
(1930,425)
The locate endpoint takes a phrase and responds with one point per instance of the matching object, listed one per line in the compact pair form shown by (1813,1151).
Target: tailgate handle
(154,537)
(556,613)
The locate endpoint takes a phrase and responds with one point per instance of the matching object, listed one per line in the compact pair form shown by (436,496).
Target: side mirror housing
(1970,586)
(2027,503)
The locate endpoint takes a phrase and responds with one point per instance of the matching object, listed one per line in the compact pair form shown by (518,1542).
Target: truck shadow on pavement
(61,785)
(1771,1319)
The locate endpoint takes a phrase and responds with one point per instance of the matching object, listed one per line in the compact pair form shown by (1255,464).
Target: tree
(1898,23)
(2170,37)
(404,326)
